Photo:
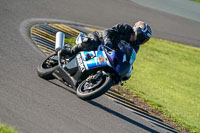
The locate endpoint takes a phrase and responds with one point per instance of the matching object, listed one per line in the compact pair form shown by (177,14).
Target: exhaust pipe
(60,37)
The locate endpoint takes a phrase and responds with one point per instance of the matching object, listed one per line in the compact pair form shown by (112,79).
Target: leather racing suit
(109,36)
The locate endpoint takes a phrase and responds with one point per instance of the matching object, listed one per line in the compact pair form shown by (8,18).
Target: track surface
(35,105)
(185,8)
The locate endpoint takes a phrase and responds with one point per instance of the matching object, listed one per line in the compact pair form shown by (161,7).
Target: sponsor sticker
(101,59)
(80,62)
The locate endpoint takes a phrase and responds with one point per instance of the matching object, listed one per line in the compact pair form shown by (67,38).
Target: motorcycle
(90,73)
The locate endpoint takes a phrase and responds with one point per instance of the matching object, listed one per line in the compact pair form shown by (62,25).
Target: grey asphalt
(184,8)
(35,105)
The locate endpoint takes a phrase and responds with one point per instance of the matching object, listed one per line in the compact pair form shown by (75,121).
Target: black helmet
(142,32)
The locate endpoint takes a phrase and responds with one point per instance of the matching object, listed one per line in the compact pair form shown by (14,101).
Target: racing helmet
(142,32)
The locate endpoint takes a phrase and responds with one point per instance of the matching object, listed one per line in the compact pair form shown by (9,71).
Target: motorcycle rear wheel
(45,69)
(97,90)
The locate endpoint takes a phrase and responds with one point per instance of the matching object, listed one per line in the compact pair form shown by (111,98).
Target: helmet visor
(142,38)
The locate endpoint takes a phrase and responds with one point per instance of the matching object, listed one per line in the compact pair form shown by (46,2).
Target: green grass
(6,129)
(166,75)
(196,0)
(70,41)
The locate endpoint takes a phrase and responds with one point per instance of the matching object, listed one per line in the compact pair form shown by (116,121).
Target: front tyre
(90,89)
(47,67)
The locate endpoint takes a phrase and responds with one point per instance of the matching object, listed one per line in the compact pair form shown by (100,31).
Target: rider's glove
(64,52)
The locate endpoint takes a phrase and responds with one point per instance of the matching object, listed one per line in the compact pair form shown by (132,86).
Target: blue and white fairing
(95,59)
(91,59)
(114,59)
(120,60)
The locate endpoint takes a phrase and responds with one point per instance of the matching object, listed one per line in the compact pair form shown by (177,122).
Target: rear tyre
(47,67)
(87,90)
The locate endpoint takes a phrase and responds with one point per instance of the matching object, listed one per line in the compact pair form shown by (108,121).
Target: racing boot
(77,48)
(71,51)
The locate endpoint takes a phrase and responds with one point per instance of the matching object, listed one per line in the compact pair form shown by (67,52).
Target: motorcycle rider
(135,36)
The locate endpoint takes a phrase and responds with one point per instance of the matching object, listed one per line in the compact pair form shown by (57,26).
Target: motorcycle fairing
(94,59)
(71,67)
(62,73)
(83,64)
(122,59)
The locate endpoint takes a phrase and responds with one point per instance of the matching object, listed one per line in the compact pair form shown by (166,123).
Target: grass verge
(166,76)
(70,41)
(7,129)
(196,0)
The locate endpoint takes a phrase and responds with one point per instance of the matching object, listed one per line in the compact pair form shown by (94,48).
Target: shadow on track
(123,117)
(157,122)
(66,88)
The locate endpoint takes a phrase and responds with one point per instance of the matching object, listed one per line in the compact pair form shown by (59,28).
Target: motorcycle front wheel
(47,67)
(92,88)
